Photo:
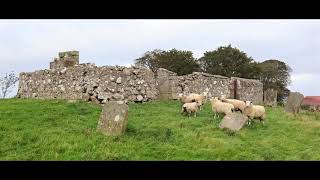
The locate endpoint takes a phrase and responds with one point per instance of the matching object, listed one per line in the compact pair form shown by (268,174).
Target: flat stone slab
(114,118)
(233,121)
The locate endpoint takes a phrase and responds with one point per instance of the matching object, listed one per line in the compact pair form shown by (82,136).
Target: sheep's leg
(195,114)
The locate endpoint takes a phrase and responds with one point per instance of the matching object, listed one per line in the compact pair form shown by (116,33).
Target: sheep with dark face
(200,98)
(190,108)
(254,112)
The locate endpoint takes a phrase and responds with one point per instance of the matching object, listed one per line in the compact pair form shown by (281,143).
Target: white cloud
(306,83)
(305,77)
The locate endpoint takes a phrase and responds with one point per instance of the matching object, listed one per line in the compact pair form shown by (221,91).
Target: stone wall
(65,59)
(246,89)
(170,85)
(89,82)
(67,79)
(198,82)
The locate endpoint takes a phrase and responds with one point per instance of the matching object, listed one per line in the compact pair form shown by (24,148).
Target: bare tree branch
(7,82)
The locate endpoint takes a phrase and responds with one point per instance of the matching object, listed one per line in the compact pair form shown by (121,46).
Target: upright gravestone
(270,97)
(233,121)
(294,102)
(114,118)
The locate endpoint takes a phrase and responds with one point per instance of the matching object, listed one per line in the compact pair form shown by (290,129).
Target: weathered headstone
(233,121)
(270,97)
(114,118)
(294,102)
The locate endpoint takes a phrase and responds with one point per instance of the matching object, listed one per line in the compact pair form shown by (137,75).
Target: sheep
(186,99)
(200,98)
(221,107)
(238,104)
(190,108)
(254,111)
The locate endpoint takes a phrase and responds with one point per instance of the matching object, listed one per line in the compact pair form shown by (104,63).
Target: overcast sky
(29,45)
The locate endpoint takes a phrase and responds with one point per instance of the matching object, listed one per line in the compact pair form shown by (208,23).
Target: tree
(275,74)
(229,61)
(7,82)
(178,61)
(150,59)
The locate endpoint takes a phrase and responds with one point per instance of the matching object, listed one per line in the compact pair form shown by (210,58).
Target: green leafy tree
(275,74)
(178,61)
(229,61)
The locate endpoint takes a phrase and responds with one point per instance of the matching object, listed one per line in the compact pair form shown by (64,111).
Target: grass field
(57,130)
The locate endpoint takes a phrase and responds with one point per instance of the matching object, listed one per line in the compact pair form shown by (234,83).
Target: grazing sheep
(200,98)
(238,104)
(190,108)
(221,107)
(254,112)
(186,99)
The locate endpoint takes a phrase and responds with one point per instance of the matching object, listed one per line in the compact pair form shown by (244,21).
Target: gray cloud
(28,45)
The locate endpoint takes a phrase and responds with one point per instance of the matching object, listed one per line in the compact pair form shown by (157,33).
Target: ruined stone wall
(199,82)
(89,82)
(67,79)
(170,85)
(65,59)
(246,89)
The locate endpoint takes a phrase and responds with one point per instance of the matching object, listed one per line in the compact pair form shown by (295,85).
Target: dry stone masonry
(89,82)
(67,79)
(170,86)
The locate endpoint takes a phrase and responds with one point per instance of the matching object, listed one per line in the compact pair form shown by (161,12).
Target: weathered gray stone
(139,97)
(118,80)
(294,102)
(72,101)
(233,121)
(94,99)
(113,118)
(66,59)
(270,97)
(118,96)
(246,90)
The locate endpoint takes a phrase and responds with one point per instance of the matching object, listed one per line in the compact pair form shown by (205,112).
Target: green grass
(56,130)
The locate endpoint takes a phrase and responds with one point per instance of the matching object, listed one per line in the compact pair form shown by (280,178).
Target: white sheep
(190,108)
(221,107)
(238,104)
(200,98)
(186,99)
(254,112)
